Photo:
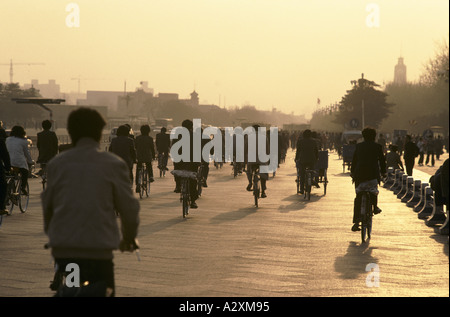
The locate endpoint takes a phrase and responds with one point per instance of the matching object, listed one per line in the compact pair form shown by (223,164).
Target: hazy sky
(268,53)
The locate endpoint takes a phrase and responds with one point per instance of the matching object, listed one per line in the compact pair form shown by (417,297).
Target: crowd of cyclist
(143,149)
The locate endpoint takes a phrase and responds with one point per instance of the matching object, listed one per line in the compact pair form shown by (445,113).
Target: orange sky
(268,53)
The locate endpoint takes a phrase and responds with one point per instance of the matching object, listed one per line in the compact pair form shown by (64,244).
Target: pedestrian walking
(430,148)
(438,147)
(421,146)
(410,154)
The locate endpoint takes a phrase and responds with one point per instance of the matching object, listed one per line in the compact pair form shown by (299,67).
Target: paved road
(288,247)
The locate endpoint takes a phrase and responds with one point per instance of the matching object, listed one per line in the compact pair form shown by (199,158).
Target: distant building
(400,72)
(50,90)
(101,98)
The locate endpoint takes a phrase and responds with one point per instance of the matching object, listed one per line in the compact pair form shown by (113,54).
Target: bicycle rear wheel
(366,217)
(308,184)
(146,184)
(24,199)
(185,205)
(185,197)
(256,189)
(140,182)
(11,196)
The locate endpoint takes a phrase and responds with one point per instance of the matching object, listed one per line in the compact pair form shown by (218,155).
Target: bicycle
(162,164)
(14,193)
(185,196)
(143,182)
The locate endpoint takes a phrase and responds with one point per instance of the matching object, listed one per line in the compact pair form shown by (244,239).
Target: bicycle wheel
(256,189)
(24,199)
(325,182)
(308,186)
(140,183)
(11,196)
(44,177)
(1,220)
(185,197)
(366,217)
(199,187)
(146,183)
(185,205)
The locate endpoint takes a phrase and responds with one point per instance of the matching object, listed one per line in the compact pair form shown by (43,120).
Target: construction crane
(11,72)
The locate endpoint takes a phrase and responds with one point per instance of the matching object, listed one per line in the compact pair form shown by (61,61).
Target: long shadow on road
(233,215)
(298,202)
(352,264)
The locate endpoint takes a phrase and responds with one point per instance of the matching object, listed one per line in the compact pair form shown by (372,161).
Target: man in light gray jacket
(87,188)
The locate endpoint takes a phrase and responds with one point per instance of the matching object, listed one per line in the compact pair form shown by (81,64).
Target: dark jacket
(368,162)
(307,151)
(47,144)
(162,142)
(145,149)
(123,146)
(411,151)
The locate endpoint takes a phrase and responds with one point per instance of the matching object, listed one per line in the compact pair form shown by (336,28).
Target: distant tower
(194,98)
(400,72)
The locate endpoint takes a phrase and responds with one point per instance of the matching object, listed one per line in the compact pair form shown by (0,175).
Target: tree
(363,105)
(436,70)
(13,90)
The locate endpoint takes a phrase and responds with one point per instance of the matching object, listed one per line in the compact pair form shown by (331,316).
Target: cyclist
(19,154)
(368,167)
(86,188)
(145,153)
(123,146)
(393,158)
(5,165)
(253,166)
(163,148)
(306,155)
(47,144)
(190,165)
(205,163)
